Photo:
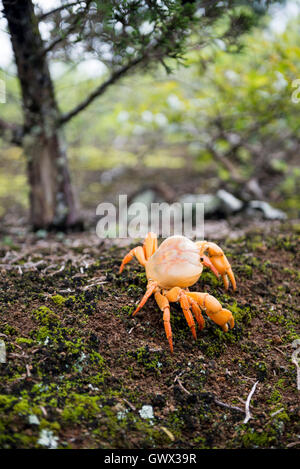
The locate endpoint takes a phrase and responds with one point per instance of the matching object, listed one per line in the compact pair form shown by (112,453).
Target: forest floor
(80,372)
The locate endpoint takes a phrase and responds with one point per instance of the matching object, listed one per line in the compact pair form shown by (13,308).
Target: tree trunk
(52,203)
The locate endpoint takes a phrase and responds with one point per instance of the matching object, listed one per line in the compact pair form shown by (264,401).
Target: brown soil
(86,368)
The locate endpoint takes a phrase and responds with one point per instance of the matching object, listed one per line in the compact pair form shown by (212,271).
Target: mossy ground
(80,368)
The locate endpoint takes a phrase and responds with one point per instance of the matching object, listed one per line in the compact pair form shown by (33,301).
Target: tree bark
(52,202)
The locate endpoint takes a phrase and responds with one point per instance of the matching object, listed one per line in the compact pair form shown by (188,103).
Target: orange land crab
(173,267)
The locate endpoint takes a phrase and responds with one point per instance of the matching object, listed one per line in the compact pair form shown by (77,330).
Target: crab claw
(222,317)
(219,262)
(207,262)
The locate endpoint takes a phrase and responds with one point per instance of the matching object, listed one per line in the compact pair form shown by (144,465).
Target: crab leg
(177,294)
(219,261)
(164,306)
(226,281)
(150,245)
(197,313)
(213,309)
(138,252)
(173,294)
(150,289)
(184,303)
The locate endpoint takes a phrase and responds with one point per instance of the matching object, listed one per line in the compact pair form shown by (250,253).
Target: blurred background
(221,127)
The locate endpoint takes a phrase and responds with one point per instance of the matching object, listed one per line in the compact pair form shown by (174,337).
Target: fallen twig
(278,350)
(51,266)
(27,266)
(294,443)
(57,271)
(68,290)
(181,385)
(129,404)
(227,406)
(168,433)
(2,351)
(247,405)
(295,360)
(215,400)
(277,412)
(28,368)
(44,411)
(99,281)
(20,256)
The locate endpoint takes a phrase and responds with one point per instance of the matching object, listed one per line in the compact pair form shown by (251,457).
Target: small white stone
(146,412)
(47,439)
(2,352)
(33,420)
(46,341)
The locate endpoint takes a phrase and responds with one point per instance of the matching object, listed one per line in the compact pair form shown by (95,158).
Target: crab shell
(176,263)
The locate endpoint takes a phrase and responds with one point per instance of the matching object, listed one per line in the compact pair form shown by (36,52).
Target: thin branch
(294,443)
(295,360)
(277,412)
(73,26)
(147,54)
(215,400)
(225,161)
(100,90)
(57,271)
(247,405)
(181,385)
(227,406)
(61,38)
(58,9)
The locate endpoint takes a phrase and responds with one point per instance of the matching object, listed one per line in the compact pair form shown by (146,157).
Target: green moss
(200,443)
(58,300)
(46,316)
(70,300)
(80,407)
(151,361)
(246,270)
(25,341)
(135,289)
(254,242)
(128,310)
(258,439)
(261,370)
(281,416)
(7,401)
(276,396)
(242,313)
(208,278)
(9,330)
(22,406)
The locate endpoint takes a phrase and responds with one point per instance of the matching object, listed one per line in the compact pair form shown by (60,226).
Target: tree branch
(73,26)
(100,90)
(147,55)
(45,15)
(11,133)
(61,38)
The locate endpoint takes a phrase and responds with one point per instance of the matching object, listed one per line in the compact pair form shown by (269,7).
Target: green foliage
(237,106)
